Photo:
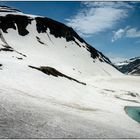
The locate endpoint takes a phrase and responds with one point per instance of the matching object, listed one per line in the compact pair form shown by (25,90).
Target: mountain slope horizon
(19,22)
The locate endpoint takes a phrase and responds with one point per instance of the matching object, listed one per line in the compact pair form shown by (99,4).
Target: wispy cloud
(128,32)
(119,34)
(137,42)
(115,58)
(133,33)
(96,17)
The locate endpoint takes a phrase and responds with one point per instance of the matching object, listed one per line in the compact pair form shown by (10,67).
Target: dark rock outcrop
(10,20)
(52,71)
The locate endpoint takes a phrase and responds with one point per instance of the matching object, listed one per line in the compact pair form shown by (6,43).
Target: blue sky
(111,27)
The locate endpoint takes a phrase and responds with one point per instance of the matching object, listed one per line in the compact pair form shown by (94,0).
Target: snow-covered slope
(55,85)
(46,42)
(131,66)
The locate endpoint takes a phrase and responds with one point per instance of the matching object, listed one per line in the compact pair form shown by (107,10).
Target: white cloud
(128,32)
(118,34)
(116,58)
(114,4)
(133,33)
(98,16)
(137,42)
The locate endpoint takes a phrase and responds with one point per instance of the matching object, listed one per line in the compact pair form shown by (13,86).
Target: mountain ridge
(56,28)
(19,22)
(130,66)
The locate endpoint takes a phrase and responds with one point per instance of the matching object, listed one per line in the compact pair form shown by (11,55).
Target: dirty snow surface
(52,86)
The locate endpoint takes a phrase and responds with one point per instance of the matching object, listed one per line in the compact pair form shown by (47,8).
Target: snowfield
(30,109)
(38,105)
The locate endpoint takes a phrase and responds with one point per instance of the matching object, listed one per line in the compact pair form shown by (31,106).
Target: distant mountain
(131,66)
